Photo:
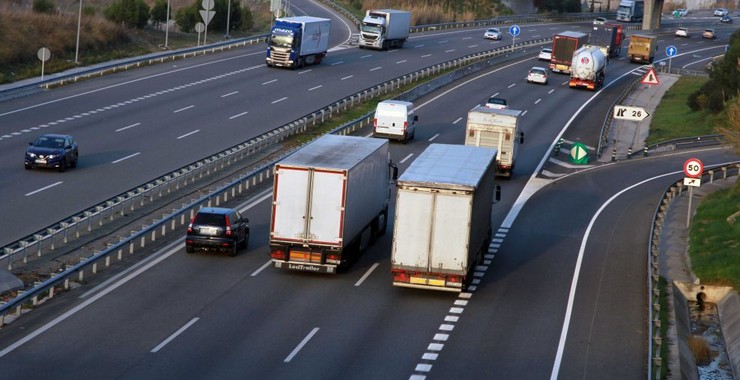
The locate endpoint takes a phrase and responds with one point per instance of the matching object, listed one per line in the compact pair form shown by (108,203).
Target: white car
(682,32)
(719,12)
(600,21)
(537,75)
(497,103)
(709,33)
(493,34)
(545,54)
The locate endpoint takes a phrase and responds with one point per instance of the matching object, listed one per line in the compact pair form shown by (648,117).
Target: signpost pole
(688,214)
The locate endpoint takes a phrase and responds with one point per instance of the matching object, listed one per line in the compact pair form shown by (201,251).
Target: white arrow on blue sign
(671,51)
(514,30)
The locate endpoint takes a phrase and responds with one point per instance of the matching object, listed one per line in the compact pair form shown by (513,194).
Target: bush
(43,6)
(131,13)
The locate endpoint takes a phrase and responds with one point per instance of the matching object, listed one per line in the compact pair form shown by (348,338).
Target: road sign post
(692,168)
(650,78)
(514,30)
(670,51)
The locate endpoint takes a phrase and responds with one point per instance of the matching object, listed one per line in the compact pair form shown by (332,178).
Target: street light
(79,22)
(167,26)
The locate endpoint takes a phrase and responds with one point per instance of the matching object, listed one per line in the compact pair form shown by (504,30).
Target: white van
(395,119)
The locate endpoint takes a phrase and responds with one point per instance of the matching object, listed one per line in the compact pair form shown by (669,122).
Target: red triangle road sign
(650,78)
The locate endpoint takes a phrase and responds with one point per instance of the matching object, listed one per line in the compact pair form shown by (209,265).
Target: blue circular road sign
(671,51)
(514,30)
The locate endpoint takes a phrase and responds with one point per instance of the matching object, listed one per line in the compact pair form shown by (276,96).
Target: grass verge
(674,119)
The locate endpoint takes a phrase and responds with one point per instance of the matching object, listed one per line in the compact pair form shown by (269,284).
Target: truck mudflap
(294,258)
(433,281)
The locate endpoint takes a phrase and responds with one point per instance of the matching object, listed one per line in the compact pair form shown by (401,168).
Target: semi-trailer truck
(608,38)
(642,48)
(499,129)
(588,68)
(298,41)
(330,201)
(563,46)
(442,224)
(385,29)
(631,10)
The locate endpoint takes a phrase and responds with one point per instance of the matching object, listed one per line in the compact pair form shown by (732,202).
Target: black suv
(216,228)
(52,151)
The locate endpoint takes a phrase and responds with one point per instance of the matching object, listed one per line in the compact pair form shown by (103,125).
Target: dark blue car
(52,151)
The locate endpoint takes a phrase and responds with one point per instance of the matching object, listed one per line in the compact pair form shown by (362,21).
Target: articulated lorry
(443,217)
(608,38)
(642,48)
(499,129)
(631,10)
(563,46)
(298,41)
(588,68)
(330,201)
(384,29)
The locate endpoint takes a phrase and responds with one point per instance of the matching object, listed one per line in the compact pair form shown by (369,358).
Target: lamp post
(167,25)
(228,17)
(79,22)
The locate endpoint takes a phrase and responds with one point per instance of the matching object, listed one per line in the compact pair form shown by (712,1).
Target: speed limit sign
(693,168)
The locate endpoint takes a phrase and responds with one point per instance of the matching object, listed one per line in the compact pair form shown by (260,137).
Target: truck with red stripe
(330,201)
(563,46)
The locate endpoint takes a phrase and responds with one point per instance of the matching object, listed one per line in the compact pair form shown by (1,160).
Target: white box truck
(330,200)
(298,41)
(443,217)
(395,119)
(496,128)
(384,29)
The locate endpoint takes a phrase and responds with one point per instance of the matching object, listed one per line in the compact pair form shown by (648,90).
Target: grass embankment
(714,242)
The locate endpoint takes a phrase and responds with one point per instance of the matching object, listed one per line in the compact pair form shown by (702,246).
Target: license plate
(40,161)
(209,231)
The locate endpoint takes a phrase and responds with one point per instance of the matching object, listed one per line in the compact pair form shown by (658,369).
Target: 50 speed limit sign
(693,168)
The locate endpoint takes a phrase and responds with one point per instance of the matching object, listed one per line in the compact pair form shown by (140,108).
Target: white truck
(496,128)
(298,41)
(588,68)
(330,200)
(443,217)
(631,10)
(384,28)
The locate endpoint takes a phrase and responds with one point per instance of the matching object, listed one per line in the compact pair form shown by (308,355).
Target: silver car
(537,75)
(493,34)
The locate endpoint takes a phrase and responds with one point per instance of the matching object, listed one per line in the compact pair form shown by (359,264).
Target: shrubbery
(724,81)
(131,13)
(241,18)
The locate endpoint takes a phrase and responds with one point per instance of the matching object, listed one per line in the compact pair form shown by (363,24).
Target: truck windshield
(281,39)
(368,28)
(625,8)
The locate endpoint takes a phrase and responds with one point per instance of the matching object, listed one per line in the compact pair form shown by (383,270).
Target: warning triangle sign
(650,78)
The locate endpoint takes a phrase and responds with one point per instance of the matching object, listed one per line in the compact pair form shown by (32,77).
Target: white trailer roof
(308,19)
(445,164)
(334,152)
(496,111)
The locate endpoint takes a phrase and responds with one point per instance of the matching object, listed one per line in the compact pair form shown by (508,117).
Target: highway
(211,316)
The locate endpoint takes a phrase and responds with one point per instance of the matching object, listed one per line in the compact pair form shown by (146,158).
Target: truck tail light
(405,125)
(401,276)
(278,253)
(333,258)
(454,281)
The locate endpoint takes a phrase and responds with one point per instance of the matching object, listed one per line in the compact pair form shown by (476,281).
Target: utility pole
(79,22)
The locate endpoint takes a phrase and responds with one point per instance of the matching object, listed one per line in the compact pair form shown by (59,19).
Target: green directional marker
(579,154)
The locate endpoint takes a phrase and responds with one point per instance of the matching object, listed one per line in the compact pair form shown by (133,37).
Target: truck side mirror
(416,117)
(521,137)
(394,171)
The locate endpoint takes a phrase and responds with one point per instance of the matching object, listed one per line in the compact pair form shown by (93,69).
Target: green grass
(674,119)
(715,242)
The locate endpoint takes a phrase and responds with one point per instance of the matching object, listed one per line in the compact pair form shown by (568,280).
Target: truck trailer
(330,201)
(499,129)
(642,48)
(384,29)
(443,217)
(298,41)
(588,68)
(563,46)
(608,38)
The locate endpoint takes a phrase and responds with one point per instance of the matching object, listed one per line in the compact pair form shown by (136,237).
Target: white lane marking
(472,46)
(537,101)
(376,68)
(229,94)
(238,115)
(305,71)
(315,87)
(457,120)
(446,327)
(423,367)
(188,134)
(402,61)
(426,55)
(551,91)
(449,51)
(418,46)
(347,77)
(127,127)
(126,158)
(337,63)
(434,137)
(442,41)
(467,38)
(366,55)
(452,318)
(441,337)
(564,83)
(496,94)
(269,81)
(279,100)
(512,85)
(174,335)
(435,346)
(300,345)
(265,265)
(44,188)
(525,112)
(407,157)
(183,109)
(695,62)
(362,279)
(430,356)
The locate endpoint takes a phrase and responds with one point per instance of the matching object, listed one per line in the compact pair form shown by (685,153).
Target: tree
(159,12)
(43,6)
(724,80)
(187,17)
(132,13)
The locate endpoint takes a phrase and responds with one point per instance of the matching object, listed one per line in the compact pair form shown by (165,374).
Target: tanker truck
(384,28)
(588,67)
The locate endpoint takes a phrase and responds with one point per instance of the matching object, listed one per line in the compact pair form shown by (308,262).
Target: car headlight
(32,155)
(50,157)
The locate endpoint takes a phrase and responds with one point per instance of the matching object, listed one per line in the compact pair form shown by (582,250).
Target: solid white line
(372,268)
(269,81)
(183,109)
(229,94)
(125,128)
(347,77)
(434,137)
(175,334)
(313,88)
(239,114)
(376,68)
(279,100)
(44,188)
(265,265)
(300,345)
(189,133)
(126,158)
(407,157)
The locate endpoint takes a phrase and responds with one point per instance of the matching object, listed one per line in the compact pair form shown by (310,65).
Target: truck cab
(395,119)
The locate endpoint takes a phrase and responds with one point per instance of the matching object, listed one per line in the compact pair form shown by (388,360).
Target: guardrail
(606,126)
(71,228)
(674,191)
